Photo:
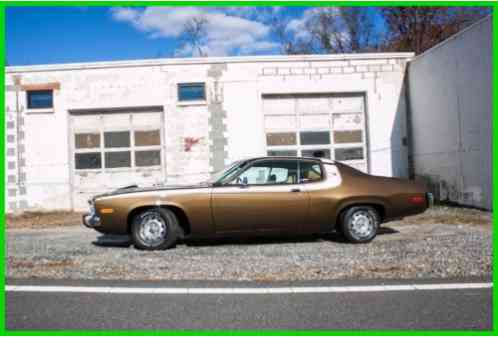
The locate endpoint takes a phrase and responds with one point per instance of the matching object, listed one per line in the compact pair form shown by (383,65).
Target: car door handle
(296,190)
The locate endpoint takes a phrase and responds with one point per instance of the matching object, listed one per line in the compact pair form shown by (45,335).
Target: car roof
(323,160)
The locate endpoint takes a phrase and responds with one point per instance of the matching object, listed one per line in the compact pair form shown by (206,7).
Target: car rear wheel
(155,229)
(360,224)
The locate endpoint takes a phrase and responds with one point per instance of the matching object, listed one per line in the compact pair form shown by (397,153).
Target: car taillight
(417,199)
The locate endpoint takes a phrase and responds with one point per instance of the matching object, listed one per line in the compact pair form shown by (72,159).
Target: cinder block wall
(227,127)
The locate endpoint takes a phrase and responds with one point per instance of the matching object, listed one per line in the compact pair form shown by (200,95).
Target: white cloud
(227,31)
(123,14)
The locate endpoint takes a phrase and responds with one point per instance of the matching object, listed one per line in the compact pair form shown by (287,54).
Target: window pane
(84,161)
(354,136)
(310,171)
(117,159)
(40,99)
(311,137)
(351,153)
(117,139)
(283,138)
(284,153)
(270,172)
(147,158)
(318,153)
(147,138)
(191,91)
(87,140)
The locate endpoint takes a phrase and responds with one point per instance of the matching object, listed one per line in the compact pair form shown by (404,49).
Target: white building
(74,130)
(450,108)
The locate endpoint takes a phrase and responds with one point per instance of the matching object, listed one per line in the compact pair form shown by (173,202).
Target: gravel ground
(456,243)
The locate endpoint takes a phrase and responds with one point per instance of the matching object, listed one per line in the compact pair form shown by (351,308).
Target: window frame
(190,84)
(132,148)
(257,161)
(315,161)
(37,109)
(296,159)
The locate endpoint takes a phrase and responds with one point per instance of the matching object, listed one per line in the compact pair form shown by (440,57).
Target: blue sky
(44,35)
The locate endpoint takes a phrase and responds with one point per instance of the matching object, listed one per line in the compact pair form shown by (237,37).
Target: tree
(420,28)
(330,30)
(194,34)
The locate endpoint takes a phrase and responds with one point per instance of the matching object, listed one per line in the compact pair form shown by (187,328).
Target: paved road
(352,309)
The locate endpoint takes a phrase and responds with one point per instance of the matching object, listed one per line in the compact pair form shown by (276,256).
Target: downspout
(409,133)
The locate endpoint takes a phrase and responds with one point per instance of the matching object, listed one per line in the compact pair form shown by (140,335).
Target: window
(147,138)
(117,159)
(323,125)
(318,153)
(147,158)
(191,92)
(310,171)
(283,153)
(283,138)
(312,137)
(88,160)
(117,139)
(117,150)
(351,153)
(269,173)
(87,140)
(353,136)
(40,99)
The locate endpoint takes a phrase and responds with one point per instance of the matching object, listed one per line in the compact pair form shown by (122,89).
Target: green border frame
(375,332)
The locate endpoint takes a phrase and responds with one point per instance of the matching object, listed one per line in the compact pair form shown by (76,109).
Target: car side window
(310,171)
(269,172)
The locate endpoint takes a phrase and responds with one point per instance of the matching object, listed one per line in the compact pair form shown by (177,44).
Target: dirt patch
(450,215)
(31,264)
(43,219)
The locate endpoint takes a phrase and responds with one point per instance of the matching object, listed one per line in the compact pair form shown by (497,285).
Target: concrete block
(269,71)
(284,71)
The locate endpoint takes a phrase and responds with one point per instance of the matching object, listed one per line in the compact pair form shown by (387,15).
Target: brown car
(260,196)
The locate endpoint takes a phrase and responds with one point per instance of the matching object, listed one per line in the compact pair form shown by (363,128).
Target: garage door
(323,124)
(112,150)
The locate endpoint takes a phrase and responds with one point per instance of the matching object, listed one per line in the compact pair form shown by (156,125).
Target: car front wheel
(154,229)
(360,224)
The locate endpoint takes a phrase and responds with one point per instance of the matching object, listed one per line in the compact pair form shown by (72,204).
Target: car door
(266,196)
(321,182)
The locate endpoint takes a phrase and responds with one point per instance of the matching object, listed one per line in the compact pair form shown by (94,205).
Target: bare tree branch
(420,28)
(194,34)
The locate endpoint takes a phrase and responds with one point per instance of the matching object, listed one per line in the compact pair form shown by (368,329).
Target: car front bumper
(430,199)
(91,220)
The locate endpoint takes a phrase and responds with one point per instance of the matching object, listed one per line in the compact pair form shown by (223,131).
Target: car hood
(137,189)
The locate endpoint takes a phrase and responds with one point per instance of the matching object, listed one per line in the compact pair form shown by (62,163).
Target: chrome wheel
(362,224)
(153,229)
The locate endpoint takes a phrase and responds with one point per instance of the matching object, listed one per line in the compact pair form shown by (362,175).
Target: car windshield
(228,173)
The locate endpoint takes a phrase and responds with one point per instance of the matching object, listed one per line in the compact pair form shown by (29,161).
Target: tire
(360,224)
(155,229)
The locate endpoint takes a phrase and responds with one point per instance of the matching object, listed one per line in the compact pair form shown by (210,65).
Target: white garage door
(112,150)
(302,125)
